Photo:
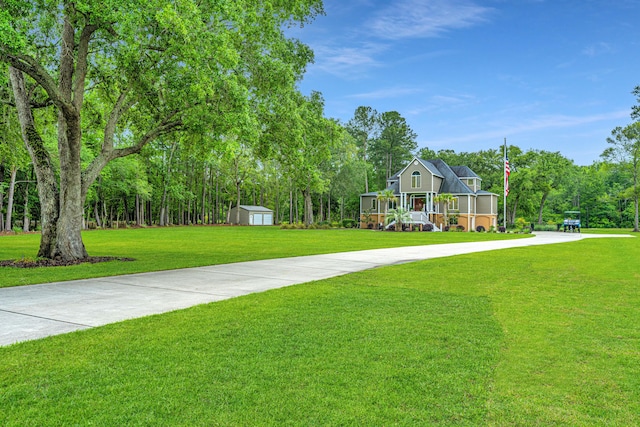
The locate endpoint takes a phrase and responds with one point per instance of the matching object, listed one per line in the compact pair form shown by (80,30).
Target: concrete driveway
(37,311)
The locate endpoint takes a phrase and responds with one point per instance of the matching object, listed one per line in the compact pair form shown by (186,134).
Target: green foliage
(394,145)
(545,227)
(521,224)
(349,223)
(400,216)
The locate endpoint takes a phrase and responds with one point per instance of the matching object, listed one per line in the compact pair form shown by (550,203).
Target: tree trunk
(137,208)
(290,202)
(1,195)
(12,186)
(512,217)
(45,174)
(203,207)
(308,207)
(635,195)
(542,202)
(26,217)
(237,219)
(96,214)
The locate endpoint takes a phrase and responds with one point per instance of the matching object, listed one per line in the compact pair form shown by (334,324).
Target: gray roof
(451,184)
(464,172)
(431,167)
(255,208)
(395,187)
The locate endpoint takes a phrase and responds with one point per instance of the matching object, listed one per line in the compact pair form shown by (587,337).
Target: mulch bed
(45,262)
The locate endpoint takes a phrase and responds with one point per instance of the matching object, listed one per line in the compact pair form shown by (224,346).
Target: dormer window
(416,180)
(473,183)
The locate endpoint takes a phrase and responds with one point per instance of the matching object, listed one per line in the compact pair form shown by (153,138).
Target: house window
(454,204)
(373,203)
(416,179)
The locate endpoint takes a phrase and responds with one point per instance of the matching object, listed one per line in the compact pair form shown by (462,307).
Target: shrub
(502,229)
(480,229)
(348,223)
(544,227)
(460,227)
(446,228)
(427,227)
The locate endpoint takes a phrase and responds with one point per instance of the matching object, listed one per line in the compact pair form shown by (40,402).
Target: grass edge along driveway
(156,249)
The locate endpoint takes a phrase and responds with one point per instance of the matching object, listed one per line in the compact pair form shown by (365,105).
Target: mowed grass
(156,249)
(546,335)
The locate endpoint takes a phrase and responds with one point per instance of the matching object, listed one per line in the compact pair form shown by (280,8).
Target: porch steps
(417,218)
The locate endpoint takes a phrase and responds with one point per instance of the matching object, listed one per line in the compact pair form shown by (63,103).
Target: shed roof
(251,208)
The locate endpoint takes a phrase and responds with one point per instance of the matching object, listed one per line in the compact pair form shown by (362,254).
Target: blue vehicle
(571,221)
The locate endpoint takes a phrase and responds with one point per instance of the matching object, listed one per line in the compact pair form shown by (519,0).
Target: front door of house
(418,204)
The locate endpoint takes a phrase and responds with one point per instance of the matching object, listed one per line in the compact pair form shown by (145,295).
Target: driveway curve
(37,311)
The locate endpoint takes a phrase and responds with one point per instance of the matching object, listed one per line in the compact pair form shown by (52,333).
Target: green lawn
(546,335)
(179,247)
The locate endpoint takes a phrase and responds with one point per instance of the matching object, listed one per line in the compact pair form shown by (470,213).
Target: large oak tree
(142,69)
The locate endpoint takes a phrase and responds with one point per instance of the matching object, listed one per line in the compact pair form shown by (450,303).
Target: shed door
(267,219)
(257,219)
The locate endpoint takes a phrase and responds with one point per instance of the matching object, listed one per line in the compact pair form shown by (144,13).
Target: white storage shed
(251,215)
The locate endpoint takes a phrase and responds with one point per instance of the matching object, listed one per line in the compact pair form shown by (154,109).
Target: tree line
(179,182)
(162,113)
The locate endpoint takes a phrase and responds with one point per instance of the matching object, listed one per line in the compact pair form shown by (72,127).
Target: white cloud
(347,61)
(536,124)
(596,49)
(426,18)
(392,92)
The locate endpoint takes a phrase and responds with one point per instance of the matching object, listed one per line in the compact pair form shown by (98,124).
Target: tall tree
(395,144)
(625,149)
(550,173)
(319,137)
(364,127)
(160,66)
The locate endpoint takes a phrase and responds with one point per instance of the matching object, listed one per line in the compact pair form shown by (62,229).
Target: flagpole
(504,184)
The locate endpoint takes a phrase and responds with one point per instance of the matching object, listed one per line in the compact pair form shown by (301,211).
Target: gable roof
(427,164)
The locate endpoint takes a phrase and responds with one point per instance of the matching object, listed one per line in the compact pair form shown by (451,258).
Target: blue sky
(551,75)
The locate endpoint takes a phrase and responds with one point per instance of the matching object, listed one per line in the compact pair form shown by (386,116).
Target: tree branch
(119,108)
(82,65)
(108,153)
(33,69)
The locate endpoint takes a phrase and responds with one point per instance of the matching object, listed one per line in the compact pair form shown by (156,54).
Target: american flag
(507,172)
